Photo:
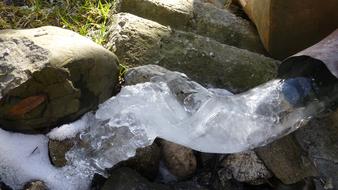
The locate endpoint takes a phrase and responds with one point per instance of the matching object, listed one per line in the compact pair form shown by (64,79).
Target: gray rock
(203,17)
(137,41)
(246,167)
(286,160)
(143,74)
(128,179)
(50,75)
(320,140)
(180,160)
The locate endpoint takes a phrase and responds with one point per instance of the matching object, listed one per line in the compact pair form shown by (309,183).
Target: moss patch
(87,17)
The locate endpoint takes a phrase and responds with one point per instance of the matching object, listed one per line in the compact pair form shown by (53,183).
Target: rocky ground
(50,76)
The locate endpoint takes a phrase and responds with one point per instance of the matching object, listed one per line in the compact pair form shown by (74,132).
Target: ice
(179,110)
(171,107)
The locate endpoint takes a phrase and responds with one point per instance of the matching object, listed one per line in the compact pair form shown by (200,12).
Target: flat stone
(137,41)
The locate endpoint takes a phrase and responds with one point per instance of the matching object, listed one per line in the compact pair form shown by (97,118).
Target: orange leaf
(26,105)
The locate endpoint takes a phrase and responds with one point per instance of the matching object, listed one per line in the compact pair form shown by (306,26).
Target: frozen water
(182,111)
(170,107)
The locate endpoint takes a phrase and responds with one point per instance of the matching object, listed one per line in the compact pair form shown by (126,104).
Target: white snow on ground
(24,158)
(69,131)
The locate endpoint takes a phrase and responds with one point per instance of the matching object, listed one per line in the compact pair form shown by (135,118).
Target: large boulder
(50,75)
(199,16)
(137,41)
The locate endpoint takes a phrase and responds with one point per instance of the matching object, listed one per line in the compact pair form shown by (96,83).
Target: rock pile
(50,76)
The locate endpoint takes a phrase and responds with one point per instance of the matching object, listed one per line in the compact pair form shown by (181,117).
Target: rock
(179,160)
(246,167)
(49,76)
(137,41)
(146,161)
(203,17)
(127,179)
(320,140)
(286,160)
(57,151)
(35,185)
(143,74)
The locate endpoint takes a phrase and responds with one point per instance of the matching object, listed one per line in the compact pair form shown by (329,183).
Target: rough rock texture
(143,74)
(286,160)
(320,140)
(180,160)
(137,41)
(35,185)
(146,161)
(246,167)
(203,17)
(127,179)
(57,151)
(49,75)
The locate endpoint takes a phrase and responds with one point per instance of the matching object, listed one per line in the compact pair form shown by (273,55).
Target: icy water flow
(207,120)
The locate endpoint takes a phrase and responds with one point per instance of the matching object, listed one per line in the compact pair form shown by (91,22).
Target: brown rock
(286,160)
(35,185)
(180,160)
(58,150)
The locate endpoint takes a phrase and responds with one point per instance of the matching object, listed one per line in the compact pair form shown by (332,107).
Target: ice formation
(205,120)
(170,107)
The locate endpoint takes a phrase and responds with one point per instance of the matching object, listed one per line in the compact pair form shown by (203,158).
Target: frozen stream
(207,120)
